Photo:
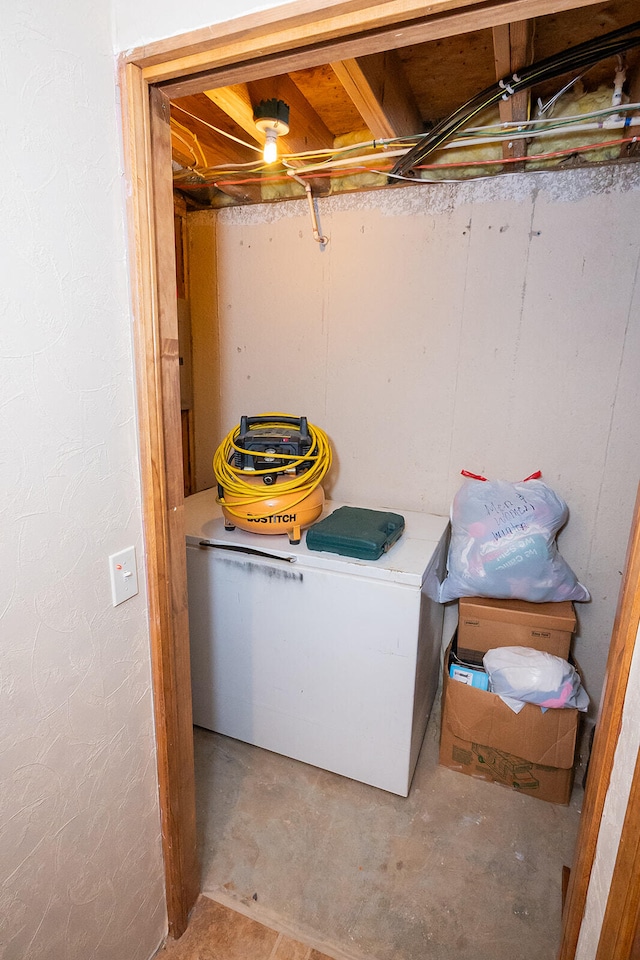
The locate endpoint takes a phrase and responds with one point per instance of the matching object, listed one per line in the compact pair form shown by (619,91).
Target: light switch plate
(124,576)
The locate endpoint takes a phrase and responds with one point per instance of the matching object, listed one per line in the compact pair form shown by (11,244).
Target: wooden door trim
(148,172)
(313,24)
(152,264)
(608,728)
(620,924)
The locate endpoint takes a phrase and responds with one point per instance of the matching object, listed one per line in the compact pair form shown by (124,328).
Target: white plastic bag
(503,543)
(522,675)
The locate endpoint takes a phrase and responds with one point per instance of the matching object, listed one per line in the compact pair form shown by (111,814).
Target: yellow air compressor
(269,471)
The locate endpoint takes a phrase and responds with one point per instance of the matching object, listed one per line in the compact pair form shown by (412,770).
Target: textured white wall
(491,326)
(80,860)
(145,21)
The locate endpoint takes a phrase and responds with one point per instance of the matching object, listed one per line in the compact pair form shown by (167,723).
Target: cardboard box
(531,751)
(484,624)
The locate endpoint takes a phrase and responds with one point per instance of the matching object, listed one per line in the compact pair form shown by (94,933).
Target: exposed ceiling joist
(242,192)
(204,118)
(513,49)
(236,103)
(379,89)
(385,94)
(307,130)
(633,79)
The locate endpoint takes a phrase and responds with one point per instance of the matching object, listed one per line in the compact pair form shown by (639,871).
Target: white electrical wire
(508,135)
(543,107)
(552,131)
(559,121)
(230,136)
(496,133)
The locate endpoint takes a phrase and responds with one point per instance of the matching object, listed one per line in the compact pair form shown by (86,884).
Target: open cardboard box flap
(481,717)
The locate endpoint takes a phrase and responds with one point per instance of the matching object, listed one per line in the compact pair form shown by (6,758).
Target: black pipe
(574,58)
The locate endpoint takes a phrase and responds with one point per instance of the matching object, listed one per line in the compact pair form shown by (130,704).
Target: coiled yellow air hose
(230,477)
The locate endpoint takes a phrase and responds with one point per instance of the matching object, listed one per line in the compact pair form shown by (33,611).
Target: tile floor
(460,869)
(217,932)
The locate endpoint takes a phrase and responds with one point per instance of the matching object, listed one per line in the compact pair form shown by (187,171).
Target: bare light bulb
(271,118)
(270,151)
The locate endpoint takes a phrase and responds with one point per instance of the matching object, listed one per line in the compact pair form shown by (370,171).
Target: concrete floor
(461,868)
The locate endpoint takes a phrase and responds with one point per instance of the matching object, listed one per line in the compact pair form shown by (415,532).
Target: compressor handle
(300,422)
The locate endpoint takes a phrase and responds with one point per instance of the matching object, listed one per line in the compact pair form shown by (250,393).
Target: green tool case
(356,532)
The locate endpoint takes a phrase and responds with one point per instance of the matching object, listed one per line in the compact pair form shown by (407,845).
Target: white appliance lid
(408,561)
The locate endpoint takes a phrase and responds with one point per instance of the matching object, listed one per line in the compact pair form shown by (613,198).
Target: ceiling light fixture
(271,117)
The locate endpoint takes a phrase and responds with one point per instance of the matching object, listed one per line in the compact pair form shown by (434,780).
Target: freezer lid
(411,560)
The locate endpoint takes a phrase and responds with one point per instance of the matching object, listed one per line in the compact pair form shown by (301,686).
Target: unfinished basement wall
(81,874)
(491,326)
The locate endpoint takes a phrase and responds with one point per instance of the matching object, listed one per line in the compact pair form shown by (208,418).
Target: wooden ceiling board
(327,96)
(560,31)
(379,89)
(224,150)
(306,130)
(446,73)
(235,102)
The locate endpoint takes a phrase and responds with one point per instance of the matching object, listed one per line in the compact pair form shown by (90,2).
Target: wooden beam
(236,103)
(623,640)
(241,192)
(633,83)
(502,50)
(174,662)
(150,208)
(370,27)
(513,49)
(379,89)
(186,144)
(307,130)
(620,924)
(201,116)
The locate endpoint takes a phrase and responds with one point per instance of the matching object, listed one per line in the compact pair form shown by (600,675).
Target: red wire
(537,156)
(431,166)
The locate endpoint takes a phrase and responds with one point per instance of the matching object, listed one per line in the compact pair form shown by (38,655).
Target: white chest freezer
(327,659)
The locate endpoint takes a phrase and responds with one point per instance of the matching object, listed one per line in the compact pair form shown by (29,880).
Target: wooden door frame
(616,937)
(277,40)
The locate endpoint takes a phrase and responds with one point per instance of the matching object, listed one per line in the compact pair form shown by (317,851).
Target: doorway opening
(147,78)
